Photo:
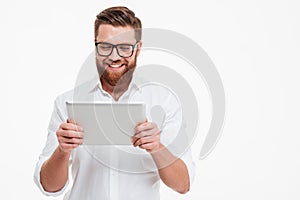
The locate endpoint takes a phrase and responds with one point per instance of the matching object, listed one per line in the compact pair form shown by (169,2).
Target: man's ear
(139,47)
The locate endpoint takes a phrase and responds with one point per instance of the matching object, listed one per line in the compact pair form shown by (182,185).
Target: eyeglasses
(123,50)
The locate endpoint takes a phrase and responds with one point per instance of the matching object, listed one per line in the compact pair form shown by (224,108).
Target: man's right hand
(70,136)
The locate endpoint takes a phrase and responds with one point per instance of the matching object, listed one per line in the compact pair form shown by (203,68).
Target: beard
(115,78)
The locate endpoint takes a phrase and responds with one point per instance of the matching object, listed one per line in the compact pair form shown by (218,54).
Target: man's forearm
(54,172)
(172,171)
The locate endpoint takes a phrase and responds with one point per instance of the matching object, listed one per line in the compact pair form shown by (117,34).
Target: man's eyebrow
(124,42)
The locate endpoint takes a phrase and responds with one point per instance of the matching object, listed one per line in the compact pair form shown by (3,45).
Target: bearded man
(117,46)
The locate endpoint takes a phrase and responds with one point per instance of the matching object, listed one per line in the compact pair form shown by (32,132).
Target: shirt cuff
(37,180)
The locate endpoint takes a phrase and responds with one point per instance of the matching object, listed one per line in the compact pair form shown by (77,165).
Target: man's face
(112,67)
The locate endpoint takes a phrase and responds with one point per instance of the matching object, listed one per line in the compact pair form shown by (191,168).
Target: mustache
(116,63)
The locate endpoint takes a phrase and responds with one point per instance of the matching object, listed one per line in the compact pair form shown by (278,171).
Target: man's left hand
(147,136)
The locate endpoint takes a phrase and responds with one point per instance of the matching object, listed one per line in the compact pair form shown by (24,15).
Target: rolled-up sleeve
(51,144)
(181,148)
(174,136)
(190,164)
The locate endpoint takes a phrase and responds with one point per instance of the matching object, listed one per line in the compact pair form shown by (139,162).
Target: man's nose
(114,55)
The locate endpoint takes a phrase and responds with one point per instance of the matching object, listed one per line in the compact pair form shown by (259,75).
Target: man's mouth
(116,66)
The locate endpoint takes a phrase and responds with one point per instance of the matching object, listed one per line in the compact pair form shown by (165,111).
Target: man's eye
(105,47)
(124,48)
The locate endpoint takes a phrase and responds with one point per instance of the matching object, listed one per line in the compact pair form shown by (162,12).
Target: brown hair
(119,16)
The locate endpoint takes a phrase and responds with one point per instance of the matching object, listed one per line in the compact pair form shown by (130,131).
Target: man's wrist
(63,153)
(158,149)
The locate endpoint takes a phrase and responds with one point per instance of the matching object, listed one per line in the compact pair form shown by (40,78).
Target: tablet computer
(107,123)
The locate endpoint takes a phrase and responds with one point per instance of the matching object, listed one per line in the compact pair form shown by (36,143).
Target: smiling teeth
(115,66)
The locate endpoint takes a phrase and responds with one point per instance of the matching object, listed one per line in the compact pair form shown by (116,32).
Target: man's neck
(116,91)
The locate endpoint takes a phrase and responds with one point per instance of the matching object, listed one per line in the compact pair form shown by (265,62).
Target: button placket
(114,175)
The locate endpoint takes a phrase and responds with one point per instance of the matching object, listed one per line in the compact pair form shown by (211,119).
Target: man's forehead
(116,34)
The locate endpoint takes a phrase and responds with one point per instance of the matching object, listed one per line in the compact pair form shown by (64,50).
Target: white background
(254,44)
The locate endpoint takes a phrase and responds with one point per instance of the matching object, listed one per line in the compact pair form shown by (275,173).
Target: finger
(78,141)
(148,146)
(71,126)
(134,139)
(143,126)
(71,121)
(145,140)
(67,146)
(146,133)
(69,134)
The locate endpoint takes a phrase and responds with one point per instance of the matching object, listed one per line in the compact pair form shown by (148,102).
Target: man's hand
(147,136)
(70,136)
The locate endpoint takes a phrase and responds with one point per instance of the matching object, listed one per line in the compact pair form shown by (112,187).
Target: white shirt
(117,172)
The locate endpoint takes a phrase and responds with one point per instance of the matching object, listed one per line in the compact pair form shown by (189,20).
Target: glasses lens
(125,50)
(104,49)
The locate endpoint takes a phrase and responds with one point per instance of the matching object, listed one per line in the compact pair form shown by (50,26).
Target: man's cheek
(100,64)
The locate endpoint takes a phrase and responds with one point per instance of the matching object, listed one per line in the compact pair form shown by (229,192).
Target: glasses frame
(115,46)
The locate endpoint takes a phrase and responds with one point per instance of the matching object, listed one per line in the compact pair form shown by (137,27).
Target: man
(94,170)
